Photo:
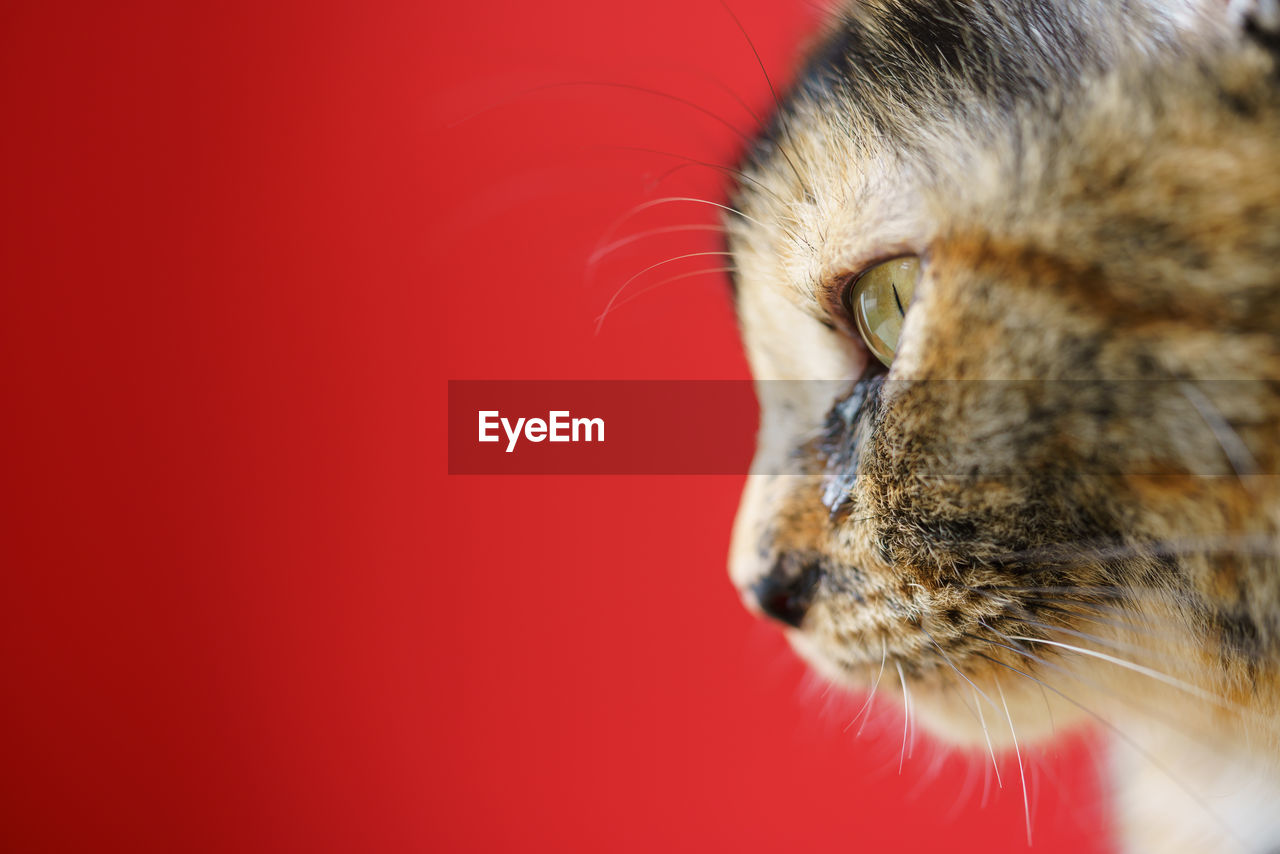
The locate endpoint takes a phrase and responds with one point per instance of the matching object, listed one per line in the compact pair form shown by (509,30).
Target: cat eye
(877,301)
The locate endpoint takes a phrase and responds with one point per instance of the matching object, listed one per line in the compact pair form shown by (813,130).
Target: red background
(244,606)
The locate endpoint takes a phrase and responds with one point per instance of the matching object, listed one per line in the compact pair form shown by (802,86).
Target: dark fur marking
(840,445)
(1268,39)
(1240,636)
(911,50)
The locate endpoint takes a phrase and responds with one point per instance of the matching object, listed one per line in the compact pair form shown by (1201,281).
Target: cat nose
(786,595)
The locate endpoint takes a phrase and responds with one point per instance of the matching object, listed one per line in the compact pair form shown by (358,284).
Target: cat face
(1007,280)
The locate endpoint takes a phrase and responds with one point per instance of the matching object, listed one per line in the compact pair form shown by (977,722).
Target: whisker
(1015,639)
(1076,553)
(986,786)
(738,132)
(713,252)
(1109,590)
(1119,733)
(1222,702)
(966,789)
(1048,710)
(1088,611)
(656,285)
(987,735)
(1026,616)
(693,161)
(977,691)
(1165,678)
(652,232)
(906,715)
(1237,452)
(1113,644)
(1035,796)
(607,84)
(1026,807)
(911,716)
(884,652)
(947,659)
(776,101)
(875,684)
(665,200)
(654,183)
(1132,594)
(725,88)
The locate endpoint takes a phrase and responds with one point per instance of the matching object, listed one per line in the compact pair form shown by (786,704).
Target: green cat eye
(878,301)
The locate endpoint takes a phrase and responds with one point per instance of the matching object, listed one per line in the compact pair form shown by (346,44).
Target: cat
(1008,278)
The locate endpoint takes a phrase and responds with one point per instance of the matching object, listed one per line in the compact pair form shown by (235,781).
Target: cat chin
(1012,709)
(952,715)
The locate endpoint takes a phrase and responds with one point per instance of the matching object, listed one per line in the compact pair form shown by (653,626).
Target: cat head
(1007,279)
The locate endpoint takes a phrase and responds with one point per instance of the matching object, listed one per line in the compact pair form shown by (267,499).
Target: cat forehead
(914,115)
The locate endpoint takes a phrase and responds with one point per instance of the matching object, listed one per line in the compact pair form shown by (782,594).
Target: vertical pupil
(881,297)
(898,300)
